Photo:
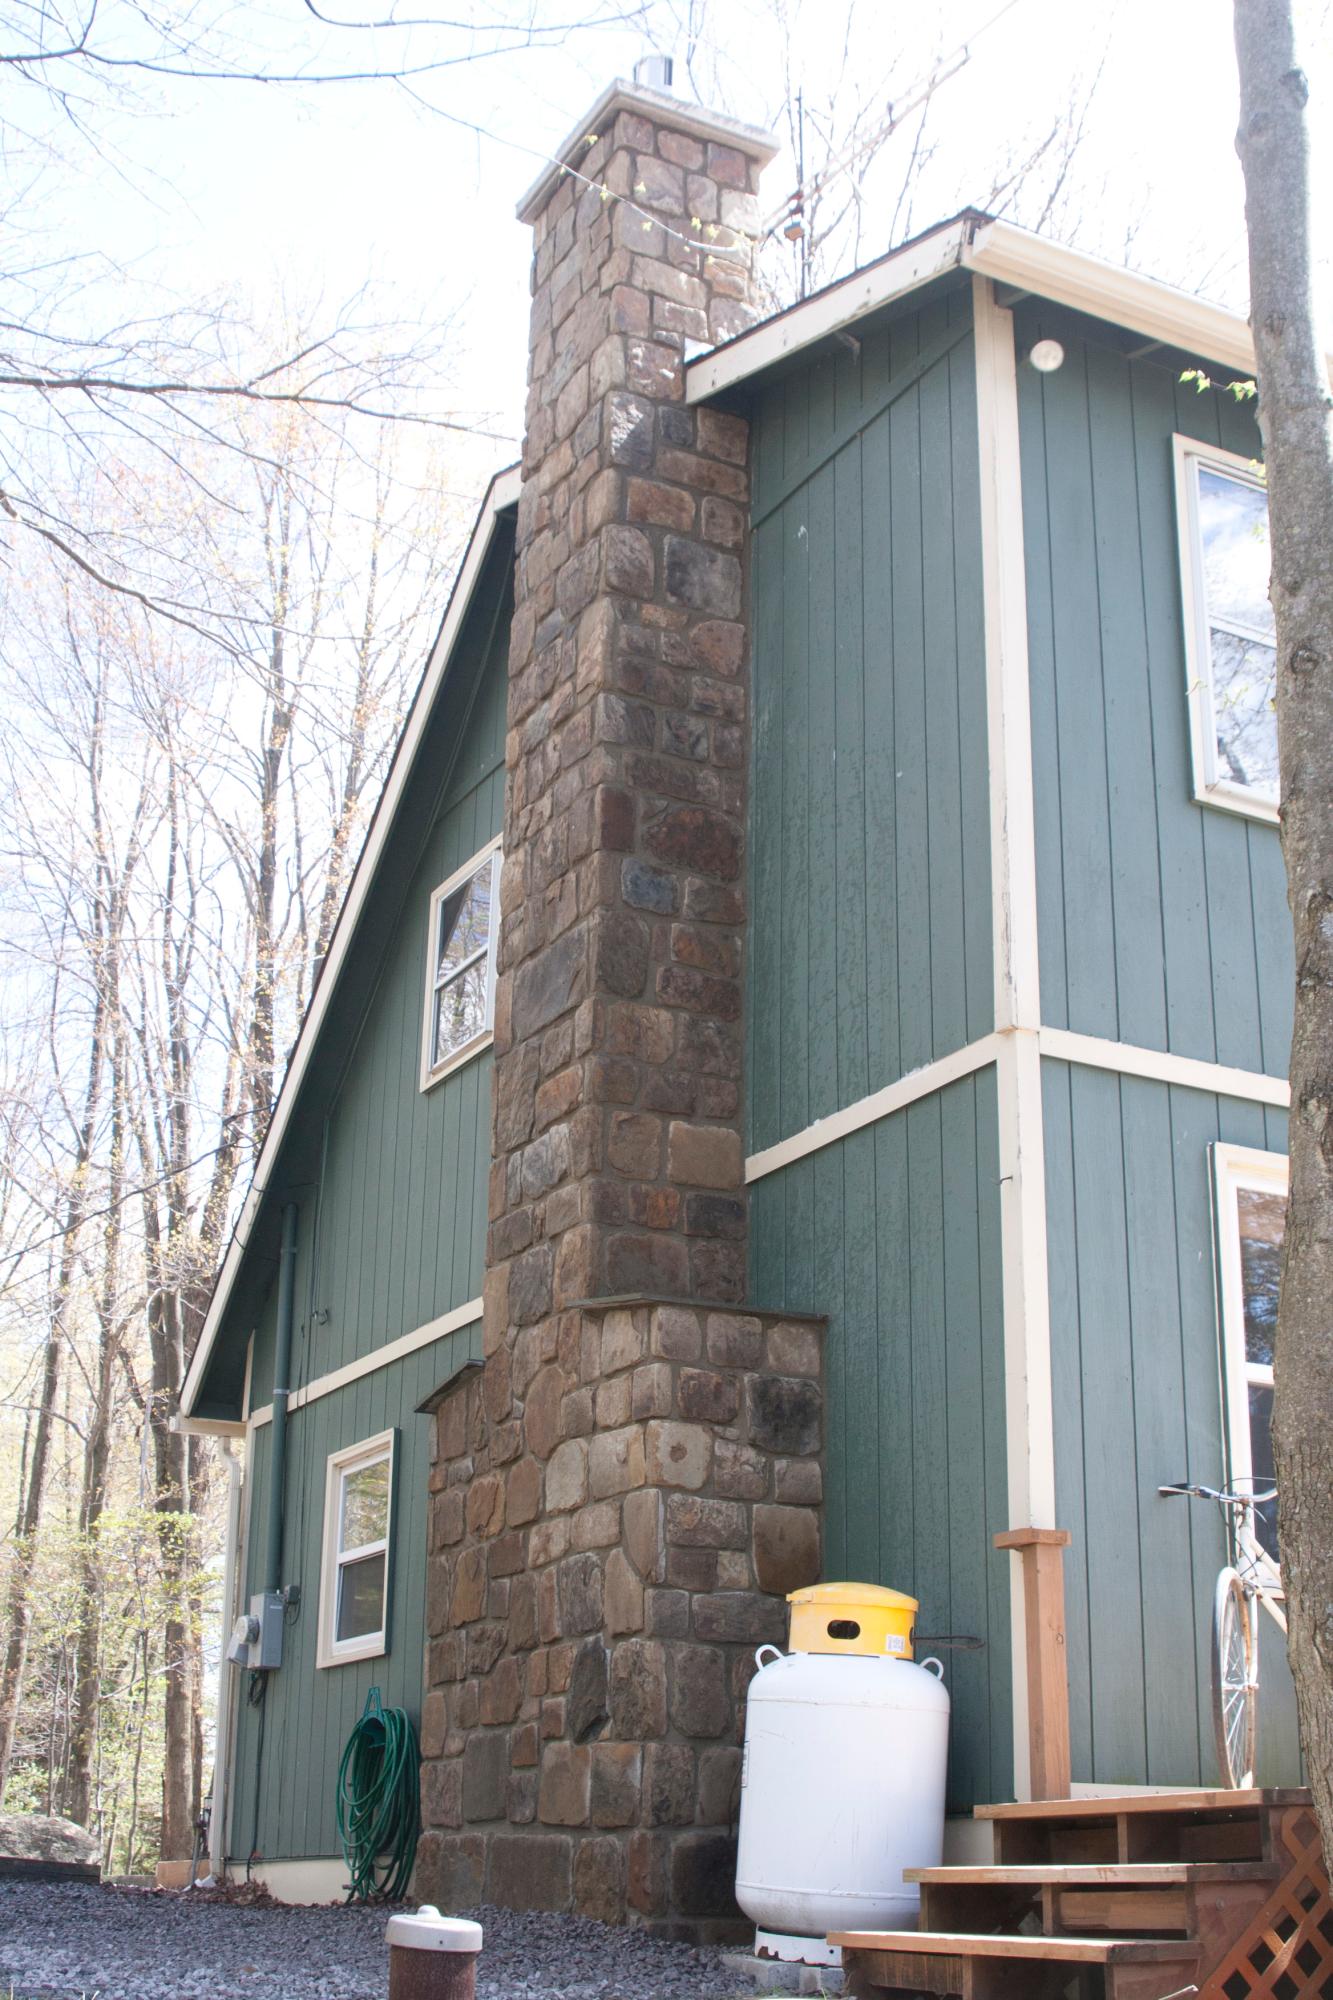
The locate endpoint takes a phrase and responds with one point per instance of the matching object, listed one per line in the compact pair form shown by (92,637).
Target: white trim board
(313,1880)
(1007,255)
(502,492)
(918,1083)
(369,1364)
(1060,1045)
(1159,1066)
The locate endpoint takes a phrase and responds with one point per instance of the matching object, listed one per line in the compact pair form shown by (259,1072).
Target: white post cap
(427,1930)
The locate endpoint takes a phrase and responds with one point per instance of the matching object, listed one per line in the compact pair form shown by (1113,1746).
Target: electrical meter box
(256,1639)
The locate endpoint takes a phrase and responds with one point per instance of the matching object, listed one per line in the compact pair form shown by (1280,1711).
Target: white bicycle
(1251,1577)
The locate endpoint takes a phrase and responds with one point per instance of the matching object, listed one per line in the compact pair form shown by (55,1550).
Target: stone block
(719,1786)
(692,1569)
(616,1461)
(666,1614)
(523,1493)
(579,1587)
(597,1526)
(703,1875)
(617,1774)
(634,1144)
(799,1481)
(649,888)
(741,1617)
(785,1414)
(485,1505)
(541,1410)
(638,1690)
(740,1472)
(434,1723)
(521,1798)
(527,1872)
(677,1454)
(622,1594)
(563,1797)
(451,1869)
(704,1155)
(697,1521)
(567,1476)
(794,1349)
(523,1746)
(706,1397)
(647,1883)
(441,1793)
(469,1598)
(587,1704)
(652,1390)
(501,1692)
(613,1403)
(485,1770)
(735,1340)
(695,837)
(676,1334)
(700,1703)
(599,1880)
(668,1785)
(642,1522)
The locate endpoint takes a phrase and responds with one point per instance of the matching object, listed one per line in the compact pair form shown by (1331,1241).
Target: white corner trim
(502,492)
(1009,715)
(788,332)
(1025,1286)
(923,1082)
(380,1357)
(1158,1066)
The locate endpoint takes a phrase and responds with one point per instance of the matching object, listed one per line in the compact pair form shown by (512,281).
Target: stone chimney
(624,1492)
(617,1104)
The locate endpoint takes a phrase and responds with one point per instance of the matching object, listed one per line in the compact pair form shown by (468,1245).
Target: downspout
(282,1370)
(222,1744)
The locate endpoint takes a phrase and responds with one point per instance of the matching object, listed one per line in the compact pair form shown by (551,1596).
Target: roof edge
(696,121)
(502,493)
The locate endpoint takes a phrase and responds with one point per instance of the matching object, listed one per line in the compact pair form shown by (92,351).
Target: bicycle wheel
(1235,1682)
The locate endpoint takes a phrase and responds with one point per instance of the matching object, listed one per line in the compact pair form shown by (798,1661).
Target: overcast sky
(252,189)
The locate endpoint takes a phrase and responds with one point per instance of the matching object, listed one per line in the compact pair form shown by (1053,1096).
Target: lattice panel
(1286,1952)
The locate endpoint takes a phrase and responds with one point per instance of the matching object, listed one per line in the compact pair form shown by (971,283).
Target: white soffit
(502,492)
(1008,255)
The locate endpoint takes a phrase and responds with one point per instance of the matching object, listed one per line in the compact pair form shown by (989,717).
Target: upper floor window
(1251,1195)
(354,1574)
(1230,644)
(460,965)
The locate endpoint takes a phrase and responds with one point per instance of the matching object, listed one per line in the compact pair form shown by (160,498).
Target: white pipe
(217,1824)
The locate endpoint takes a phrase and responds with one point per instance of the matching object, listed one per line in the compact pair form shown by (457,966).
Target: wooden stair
(1143,1896)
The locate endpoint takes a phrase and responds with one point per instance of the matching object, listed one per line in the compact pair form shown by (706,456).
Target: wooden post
(1041,1552)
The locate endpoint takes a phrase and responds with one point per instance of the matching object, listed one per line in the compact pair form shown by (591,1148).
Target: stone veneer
(625,1492)
(616,1112)
(602,1570)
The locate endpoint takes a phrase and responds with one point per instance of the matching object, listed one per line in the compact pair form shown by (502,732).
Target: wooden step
(1141,1826)
(1115,1805)
(1133,1874)
(1153,1899)
(985,1967)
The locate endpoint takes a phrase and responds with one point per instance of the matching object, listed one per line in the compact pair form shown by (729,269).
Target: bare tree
(1294,416)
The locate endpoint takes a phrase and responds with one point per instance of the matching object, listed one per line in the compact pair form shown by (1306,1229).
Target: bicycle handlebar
(1223,1498)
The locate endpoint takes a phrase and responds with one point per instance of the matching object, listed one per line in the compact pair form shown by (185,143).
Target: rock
(45,1848)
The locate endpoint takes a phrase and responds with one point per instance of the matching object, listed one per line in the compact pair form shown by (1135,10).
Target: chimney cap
(694,120)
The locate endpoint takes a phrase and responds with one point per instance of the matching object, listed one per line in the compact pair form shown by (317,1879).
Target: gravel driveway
(72,1941)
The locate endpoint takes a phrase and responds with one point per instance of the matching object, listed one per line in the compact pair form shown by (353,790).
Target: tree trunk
(1294,412)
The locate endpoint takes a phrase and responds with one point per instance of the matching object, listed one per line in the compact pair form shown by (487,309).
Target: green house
(827,897)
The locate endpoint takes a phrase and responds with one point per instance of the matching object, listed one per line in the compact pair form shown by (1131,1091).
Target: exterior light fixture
(1046,356)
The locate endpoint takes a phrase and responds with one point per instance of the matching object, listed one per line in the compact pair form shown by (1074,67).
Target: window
(358,1533)
(1230,649)
(460,966)
(1251,1194)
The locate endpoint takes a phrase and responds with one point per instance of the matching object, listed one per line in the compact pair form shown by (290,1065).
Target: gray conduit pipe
(282,1371)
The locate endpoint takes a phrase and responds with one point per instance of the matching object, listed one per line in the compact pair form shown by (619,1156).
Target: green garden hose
(379,1802)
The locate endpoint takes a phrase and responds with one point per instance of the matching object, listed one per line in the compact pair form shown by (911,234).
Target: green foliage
(1243,391)
(126,1565)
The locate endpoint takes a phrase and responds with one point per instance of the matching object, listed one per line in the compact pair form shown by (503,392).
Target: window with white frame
(1251,1195)
(460,965)
(358,1543)
(1230,645)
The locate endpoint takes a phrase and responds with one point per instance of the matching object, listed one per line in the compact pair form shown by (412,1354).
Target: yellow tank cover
(852,1618)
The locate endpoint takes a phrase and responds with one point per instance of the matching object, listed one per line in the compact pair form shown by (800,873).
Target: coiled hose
(379,1802)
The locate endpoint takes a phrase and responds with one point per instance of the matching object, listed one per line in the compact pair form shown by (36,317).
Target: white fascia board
(1017,257)
(502,492)
(828,312)
(1007,255)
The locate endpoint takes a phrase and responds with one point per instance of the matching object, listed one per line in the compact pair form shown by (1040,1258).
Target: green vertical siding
(309,1711)
(894,1233)
(1163,922)
(1137,1401)
(870,873)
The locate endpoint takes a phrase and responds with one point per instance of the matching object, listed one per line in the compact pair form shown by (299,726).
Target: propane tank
(842,1778)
